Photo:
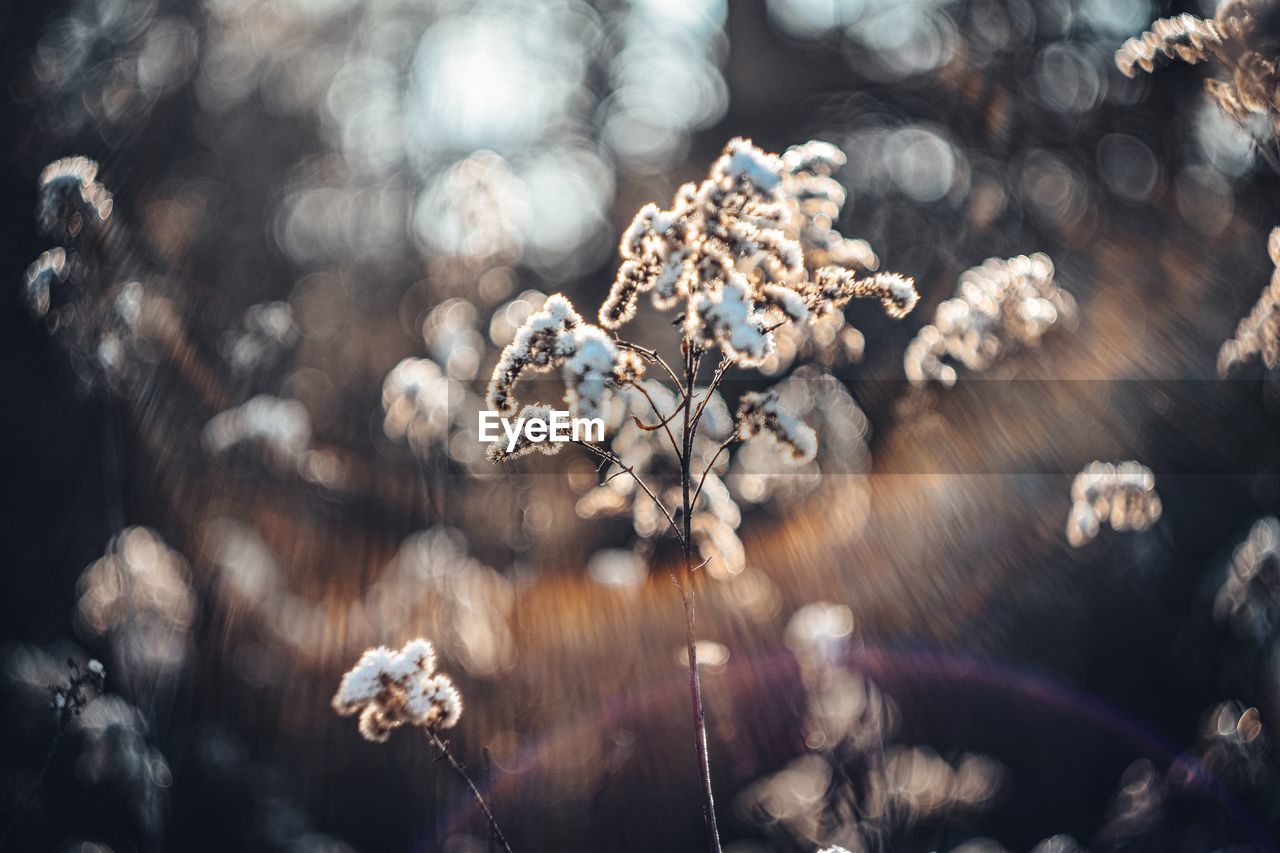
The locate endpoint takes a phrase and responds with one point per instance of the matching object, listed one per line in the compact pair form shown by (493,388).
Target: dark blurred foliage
(257,153)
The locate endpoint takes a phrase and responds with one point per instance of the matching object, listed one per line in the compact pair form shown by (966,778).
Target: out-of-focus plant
(389,689)
(68,700)
(723,258)
(1123,495)
(1240,39)
(1258,333)
(856,787)
(999,307)
(1249,599)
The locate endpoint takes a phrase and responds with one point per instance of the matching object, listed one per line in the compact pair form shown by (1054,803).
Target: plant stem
(443,749)
(687,596)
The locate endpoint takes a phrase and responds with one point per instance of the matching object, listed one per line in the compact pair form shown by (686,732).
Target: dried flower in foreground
(999,307)
(730,256)
(1258,334)
(388,689)
(1240,39)
(1122,495)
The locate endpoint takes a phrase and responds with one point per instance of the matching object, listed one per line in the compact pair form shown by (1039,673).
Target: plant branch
(721,369)
(613,458)
(687,598)
(443,749)
(721,449)
(651,355)
(663,422)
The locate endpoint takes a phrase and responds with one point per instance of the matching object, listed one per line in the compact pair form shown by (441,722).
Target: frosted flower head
(762,412)
(591,364)
(70,196)
(749,250)
(1121,495)
(388,689)
(498,452)
(1000,307)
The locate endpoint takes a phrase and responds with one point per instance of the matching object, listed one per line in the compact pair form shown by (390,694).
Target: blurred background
(222,478)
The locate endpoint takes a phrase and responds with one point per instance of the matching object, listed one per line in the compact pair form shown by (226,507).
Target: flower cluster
(723,252)
(999,307)
(1258,333)
(1239,38)
(69,195)
(556,336)
(651,457)
(1249,598)
(388,689)
(763,413)
(1123,495)
(759,473)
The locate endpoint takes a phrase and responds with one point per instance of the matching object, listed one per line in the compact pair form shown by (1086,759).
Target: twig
(687,598)
(651,355)
(711,389)
(663,422)
(721,449)
(443,749)
(613,458)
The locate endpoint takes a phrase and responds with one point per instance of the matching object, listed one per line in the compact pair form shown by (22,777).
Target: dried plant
(1258,333)
(1122,495)
(1240,38)
(999,307)
(1249,599)
(739,256)
(856,787)
(68,701)
(388,689)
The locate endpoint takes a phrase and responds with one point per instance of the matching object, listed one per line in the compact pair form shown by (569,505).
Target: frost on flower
(70,195)
(763,413)
(758,473)
(389,689)
(999,307)
(1121,495)
(556,336)
(1258,333)
(498,452)
(748,250)
(1239,39)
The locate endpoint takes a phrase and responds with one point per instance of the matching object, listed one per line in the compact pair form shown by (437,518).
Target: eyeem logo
(558,426)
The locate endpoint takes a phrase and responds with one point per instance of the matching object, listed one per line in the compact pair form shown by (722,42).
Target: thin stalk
(687,597)
(443,749)
(703,481)
(614,459)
